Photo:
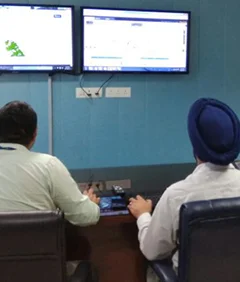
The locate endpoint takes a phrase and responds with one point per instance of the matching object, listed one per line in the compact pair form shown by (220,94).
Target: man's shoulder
(49,162)
(44,158)
(179,187)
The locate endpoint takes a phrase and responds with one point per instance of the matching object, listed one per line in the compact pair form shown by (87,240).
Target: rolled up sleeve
(155,232)
(78,208)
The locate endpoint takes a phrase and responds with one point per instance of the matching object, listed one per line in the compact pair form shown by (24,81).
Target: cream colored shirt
(33,181)
(157,233)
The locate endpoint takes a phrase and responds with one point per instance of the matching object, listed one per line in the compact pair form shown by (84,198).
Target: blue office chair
(209,243)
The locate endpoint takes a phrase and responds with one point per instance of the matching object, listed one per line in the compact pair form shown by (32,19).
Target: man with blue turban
(214,131)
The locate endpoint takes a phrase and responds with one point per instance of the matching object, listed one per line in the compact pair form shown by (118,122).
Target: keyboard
(107,210)
(153,197)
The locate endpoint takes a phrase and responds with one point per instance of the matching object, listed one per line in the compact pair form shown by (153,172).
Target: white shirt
(33,181)
(157,233)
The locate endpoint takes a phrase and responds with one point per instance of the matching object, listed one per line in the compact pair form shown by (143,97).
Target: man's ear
(35,133)
(33,139)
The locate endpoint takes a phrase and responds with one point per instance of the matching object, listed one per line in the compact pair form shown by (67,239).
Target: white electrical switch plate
(118,92)
(125,184)
(97,186)
(91,92)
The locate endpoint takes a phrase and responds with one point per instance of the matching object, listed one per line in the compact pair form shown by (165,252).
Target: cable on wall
(100,88)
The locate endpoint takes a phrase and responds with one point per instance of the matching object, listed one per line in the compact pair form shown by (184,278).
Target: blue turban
(214,131)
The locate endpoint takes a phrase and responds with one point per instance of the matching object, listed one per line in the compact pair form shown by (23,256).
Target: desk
(112,246)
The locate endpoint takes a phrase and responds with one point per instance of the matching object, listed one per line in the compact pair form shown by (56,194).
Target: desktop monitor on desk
(113,205)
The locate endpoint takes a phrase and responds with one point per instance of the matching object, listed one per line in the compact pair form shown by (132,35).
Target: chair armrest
(164,270)
(85,272)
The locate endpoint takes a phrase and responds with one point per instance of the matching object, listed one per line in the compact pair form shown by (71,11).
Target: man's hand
(92,196)
(139,206)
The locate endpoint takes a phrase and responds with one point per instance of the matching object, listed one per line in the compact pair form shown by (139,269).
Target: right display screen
(117,40)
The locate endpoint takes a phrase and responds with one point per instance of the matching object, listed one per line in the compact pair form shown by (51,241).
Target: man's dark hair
(18,123)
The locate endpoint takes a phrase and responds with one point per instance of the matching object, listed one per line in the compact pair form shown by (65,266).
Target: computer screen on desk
(113,205)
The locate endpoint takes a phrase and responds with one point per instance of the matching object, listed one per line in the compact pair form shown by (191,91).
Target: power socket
(91,92)
(118,92)
(125,184)
(97,186)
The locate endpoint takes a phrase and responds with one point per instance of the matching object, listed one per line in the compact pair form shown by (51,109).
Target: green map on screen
(14,49)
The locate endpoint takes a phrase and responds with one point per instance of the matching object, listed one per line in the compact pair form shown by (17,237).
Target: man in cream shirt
(33,181)
(214,131)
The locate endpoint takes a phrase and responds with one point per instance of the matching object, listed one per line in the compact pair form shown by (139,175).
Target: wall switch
(118,92)
(91,92)
(125,184)
(97,186)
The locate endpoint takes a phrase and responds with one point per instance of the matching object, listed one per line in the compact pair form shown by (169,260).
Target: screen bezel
(73,39)
(82,70)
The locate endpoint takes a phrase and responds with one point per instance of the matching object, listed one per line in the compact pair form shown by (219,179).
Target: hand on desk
(139,206)
(92,196)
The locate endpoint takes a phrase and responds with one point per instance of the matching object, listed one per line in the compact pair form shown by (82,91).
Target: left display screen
(36,38)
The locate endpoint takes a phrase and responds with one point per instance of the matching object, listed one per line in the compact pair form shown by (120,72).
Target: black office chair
(32,248)
(209,243)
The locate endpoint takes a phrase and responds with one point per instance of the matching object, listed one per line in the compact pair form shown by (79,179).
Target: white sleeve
(78,208)
(155,232)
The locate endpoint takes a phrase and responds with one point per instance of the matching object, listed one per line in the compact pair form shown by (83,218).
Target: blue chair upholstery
(164,270)
(209,248)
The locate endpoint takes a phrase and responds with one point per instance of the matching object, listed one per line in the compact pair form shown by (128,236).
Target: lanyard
(7,148)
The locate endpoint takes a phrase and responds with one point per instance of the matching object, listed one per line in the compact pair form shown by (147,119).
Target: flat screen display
(115,40)
(36,38)
(114,205)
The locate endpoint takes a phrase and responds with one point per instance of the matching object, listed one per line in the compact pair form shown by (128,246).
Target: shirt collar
(210,166)
(16,146)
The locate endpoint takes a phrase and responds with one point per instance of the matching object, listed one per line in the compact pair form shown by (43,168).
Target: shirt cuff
(144,219)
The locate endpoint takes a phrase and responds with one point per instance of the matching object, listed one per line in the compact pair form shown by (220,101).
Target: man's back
(25,183)
(34,181)
(214,132)
(207,182)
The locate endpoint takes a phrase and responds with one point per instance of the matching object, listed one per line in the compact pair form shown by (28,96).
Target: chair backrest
(32,247)
(209,238)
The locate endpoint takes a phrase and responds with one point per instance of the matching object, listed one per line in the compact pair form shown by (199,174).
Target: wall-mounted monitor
(121,40)
(36,38)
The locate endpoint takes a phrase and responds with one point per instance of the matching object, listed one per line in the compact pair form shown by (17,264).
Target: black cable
(98,186)
(90,181)
(100,88)
(81,86)
(104,83)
